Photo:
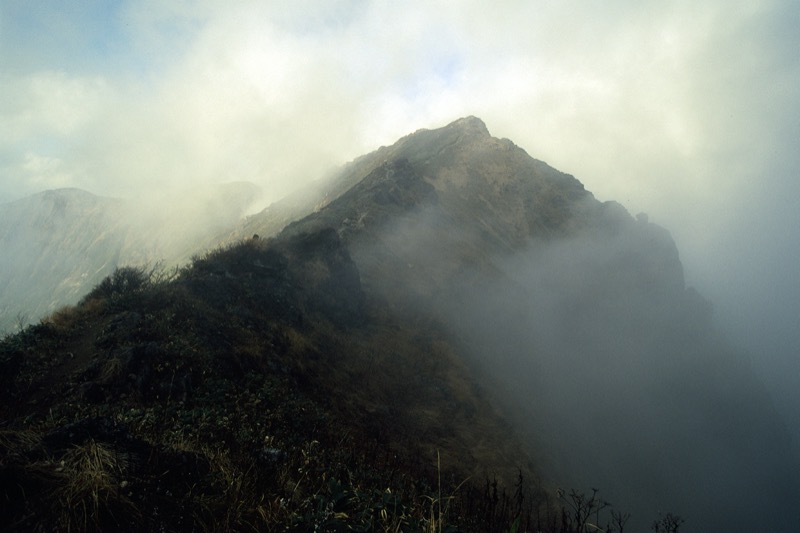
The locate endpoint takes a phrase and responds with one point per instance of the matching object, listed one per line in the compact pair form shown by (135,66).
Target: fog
(617,379)
(687,111)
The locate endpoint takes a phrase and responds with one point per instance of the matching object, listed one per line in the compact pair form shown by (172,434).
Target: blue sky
(689,111)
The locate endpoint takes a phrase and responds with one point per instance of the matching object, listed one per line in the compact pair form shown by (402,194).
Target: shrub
(123,281)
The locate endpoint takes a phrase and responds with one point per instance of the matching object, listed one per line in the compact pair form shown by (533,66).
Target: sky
(688,111)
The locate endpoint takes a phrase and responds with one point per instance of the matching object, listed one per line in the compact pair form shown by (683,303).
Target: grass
(236,396)
(91,490)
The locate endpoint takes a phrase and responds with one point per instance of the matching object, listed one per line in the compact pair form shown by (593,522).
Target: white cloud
(628,98)
(48,103)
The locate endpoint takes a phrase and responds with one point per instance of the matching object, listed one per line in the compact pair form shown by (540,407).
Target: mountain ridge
(428,287)
(607,308)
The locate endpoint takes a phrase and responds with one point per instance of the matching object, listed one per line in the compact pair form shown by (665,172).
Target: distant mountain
(56,245)
(445,321)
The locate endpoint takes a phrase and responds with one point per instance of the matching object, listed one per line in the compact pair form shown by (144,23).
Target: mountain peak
(470,124)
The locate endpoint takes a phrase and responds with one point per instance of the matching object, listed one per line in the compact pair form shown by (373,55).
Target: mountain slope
(576,318)
(372,342)
(56,245)
(259,389)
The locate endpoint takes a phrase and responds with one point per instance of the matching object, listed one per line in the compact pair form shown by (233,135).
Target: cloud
(655,105)
(48,104)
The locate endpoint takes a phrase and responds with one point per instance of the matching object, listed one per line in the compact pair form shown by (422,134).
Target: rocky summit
(445,335)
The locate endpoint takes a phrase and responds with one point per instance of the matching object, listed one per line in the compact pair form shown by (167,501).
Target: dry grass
(438,516)
(111,370)
(64,318)
(286,420)
(90,487)
(13,442)
(68,316)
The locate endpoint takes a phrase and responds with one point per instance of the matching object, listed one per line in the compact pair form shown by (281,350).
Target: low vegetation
(258,389)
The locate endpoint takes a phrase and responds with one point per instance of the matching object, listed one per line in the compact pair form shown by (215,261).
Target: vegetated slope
(576,318)
(260,389)
(56,245)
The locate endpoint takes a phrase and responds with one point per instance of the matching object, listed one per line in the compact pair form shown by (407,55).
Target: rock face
(576,318)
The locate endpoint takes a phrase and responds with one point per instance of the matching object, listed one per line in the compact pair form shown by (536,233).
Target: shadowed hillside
(257,389)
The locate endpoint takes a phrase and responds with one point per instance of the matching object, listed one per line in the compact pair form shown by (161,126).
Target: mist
(617,378)
(612,370)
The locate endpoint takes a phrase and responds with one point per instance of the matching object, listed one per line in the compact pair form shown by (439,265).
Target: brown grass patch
(89,487)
